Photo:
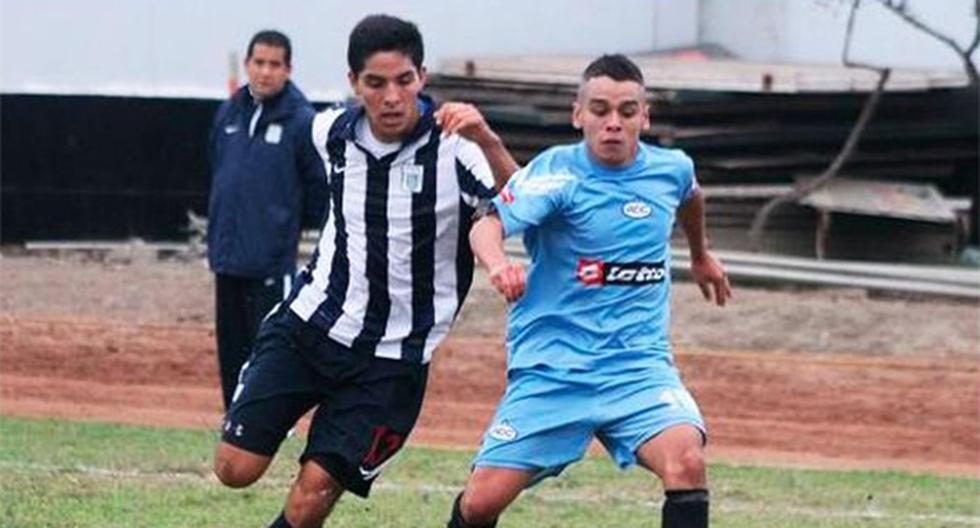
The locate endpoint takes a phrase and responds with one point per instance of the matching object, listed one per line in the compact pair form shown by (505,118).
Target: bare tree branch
(976,32)
(901,12)
(807,187)
(762,215)
(899,9)
(848,34)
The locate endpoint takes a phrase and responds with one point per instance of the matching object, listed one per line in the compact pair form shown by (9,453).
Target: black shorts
(366,406)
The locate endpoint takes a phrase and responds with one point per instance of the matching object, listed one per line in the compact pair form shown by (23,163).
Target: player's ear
(576,115)
(352,79)
(423,75)
(645,108)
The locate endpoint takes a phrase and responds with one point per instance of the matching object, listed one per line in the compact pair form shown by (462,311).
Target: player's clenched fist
(509,280)
(464,119)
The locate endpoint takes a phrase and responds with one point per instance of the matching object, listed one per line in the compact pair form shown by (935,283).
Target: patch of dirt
(809,378)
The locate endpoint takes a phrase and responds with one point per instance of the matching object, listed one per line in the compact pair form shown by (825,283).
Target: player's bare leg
(311,498)
(677,456)
(236,467)
(488,492)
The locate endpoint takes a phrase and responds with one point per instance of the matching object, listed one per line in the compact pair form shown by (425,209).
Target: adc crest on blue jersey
(636,209)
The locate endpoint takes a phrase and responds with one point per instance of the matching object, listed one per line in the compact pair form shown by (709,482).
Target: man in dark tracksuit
(268,182)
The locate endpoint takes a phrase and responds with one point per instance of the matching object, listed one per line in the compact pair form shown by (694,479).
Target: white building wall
(812,31)
(181,47)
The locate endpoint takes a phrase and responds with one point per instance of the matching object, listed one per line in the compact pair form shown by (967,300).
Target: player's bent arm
(501,162)
(487,242)
(464,119)
(691,217)
(706,270)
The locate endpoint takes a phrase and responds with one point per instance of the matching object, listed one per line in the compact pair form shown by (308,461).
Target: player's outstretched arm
(464,119)
(706,270)
(487,241)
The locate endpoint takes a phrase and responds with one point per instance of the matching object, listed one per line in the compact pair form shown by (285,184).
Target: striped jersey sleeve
(473,173)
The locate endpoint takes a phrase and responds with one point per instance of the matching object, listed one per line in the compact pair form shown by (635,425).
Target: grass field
(66,474)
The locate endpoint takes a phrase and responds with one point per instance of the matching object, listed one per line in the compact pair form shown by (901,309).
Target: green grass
(65,474)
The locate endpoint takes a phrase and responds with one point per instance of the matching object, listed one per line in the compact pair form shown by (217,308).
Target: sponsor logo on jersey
(592,272)
(507,195)
(542,184)
(636,209)
(503,431)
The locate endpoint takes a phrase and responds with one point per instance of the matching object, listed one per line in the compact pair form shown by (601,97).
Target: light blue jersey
(588,342)
(598,295)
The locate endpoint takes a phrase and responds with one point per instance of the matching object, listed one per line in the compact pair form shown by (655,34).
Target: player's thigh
(541,425)
(643,411)
(366,419)
(276,387)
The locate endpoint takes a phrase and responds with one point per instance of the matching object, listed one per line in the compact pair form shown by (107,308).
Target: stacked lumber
(748,126)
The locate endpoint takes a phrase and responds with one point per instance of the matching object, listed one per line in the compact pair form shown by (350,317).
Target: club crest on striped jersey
(636,209)
(412,177)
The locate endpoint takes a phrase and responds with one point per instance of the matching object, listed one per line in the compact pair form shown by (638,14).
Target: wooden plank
(715,75)
(809,159)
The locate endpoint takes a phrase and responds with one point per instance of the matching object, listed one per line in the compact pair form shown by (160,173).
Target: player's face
(611,115)
(388,87)
(267,70)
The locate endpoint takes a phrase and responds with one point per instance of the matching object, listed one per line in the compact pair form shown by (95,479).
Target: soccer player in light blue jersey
(588,344)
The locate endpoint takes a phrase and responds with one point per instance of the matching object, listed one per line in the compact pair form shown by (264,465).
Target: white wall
(181,47)
(813,31)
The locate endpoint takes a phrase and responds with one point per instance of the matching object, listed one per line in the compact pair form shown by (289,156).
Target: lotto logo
(593,272)
(590,272)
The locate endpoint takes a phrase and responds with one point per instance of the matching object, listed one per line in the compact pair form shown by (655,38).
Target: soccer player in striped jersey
(389,274)
(588,344)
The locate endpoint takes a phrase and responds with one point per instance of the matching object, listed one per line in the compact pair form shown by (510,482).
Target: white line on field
(545,495)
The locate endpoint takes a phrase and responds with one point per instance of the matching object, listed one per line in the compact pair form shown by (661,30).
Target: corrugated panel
(875,198)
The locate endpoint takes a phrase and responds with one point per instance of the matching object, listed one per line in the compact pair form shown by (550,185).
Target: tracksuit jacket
(267,182)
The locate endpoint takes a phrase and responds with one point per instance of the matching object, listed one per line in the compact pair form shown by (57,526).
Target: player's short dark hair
(616,66)
(383,33)
(272,38)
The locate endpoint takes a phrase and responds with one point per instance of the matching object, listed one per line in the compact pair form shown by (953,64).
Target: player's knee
(234,476)
(235,470)
(311,498)
(480,508)
(686,470)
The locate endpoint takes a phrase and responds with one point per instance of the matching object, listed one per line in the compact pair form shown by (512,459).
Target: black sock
(685,509)
(281,522)
(456,521)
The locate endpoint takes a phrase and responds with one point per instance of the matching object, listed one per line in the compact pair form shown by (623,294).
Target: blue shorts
(545,423)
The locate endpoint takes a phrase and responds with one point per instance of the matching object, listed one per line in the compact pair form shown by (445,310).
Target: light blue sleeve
(532,195)
(688,182)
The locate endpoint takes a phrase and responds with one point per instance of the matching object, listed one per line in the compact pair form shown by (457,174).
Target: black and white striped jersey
(393,264)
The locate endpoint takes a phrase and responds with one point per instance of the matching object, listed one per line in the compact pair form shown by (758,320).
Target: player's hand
(710,276)
(464,119)
(508,278)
